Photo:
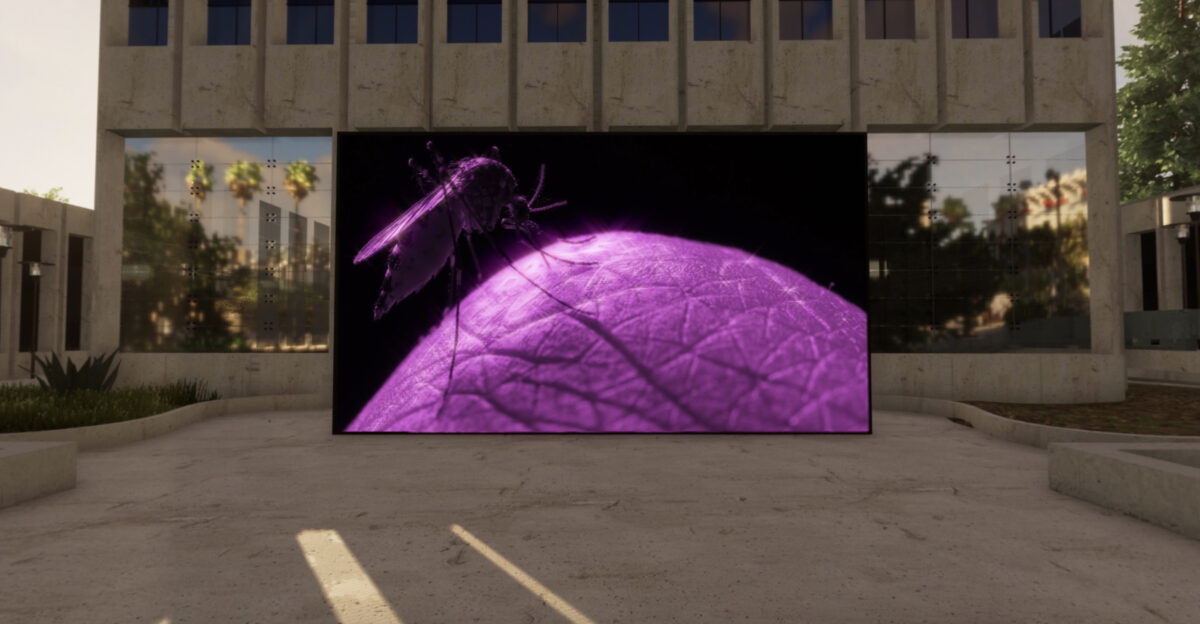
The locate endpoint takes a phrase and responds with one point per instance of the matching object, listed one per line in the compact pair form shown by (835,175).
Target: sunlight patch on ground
(348,588)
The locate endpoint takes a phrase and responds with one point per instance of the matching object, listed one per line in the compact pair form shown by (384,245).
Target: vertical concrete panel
(984,77)
(898,77)
(810,80)
(725,78)
(1104,240)
(470,80)
(554,79)
(9,291)
(641,78)
(1072,78)
(220,84)
(109,237)
(387,81)
(301,80)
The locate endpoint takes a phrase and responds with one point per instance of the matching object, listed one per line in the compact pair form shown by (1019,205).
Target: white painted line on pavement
(530,583)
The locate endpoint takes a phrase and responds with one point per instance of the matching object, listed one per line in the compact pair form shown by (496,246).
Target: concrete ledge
(1030,434)
(1156,482)
(32,469)
(37,463)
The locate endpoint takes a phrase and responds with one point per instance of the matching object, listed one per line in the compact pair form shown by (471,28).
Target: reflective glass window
(228,22)
(805,19)
(147,22)
(473,21)
(891,19)
(1060,18)
(975,19)
(309,22)
(391,21)
(722,20)
(557,20)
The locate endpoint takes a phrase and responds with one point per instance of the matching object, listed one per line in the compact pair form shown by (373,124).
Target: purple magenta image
(664,334)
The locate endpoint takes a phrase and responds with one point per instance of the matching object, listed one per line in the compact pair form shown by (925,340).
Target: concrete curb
(1030,434)
(1154,478)
(37,463)
(1158,483)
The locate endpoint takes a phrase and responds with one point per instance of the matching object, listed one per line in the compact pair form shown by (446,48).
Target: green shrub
(31,408)
(92,375)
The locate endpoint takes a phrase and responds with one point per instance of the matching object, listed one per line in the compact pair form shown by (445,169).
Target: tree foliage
(176,279)
(299,180)
(54,194)
(1158,110)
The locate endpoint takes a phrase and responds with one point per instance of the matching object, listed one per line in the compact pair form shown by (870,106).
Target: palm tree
(299,180)
(200,182)
(243,179)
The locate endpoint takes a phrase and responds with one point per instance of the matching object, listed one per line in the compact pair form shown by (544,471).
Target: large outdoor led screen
(601,282)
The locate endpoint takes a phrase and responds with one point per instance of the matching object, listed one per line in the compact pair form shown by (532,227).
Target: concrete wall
(58,221)
(930,83)
(1159,215)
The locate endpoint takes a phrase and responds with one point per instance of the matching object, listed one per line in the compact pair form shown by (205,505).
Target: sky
(49,65)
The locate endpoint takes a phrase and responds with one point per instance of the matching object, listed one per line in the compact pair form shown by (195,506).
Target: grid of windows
(309,22)
(722,20)
(978,242)
(557,20)
(473,21)
(975,19)
(391,21)
(805,19)
(1060,18)
(147,22)
(891,19)
(228,22)
(637,20)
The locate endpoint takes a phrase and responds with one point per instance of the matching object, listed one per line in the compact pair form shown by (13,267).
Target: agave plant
(92,375)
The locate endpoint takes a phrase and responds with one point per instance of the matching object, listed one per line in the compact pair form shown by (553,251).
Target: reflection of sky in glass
(220,209)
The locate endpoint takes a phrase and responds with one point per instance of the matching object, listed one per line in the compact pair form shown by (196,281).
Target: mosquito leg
(536,191)
(455,276)
(475,260)
(546,207)
(492,242)
(532,244)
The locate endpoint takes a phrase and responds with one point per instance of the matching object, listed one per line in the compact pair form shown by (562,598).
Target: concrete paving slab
(924,521)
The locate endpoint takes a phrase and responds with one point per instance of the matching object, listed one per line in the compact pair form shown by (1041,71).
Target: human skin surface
(665,335)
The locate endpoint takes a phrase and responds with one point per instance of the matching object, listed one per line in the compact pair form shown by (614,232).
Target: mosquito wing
(389,234)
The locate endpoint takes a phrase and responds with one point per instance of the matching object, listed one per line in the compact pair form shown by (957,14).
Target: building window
(474,21)
(805,19)
(391,21)
(557,20)
(891,19)
(978,242)
(637,20)
(1149,271)
(309,22)
(722,20)
(228,22)
(74,293)
(31,251)
(1060,18)
(975,19)
(147,22)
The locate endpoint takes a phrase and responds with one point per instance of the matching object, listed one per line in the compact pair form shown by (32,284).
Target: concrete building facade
(44,307)
(931,82)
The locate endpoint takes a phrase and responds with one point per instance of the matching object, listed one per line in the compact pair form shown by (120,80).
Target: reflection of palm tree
(243,179)
(1053,176)
(299,179)
(199,182)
